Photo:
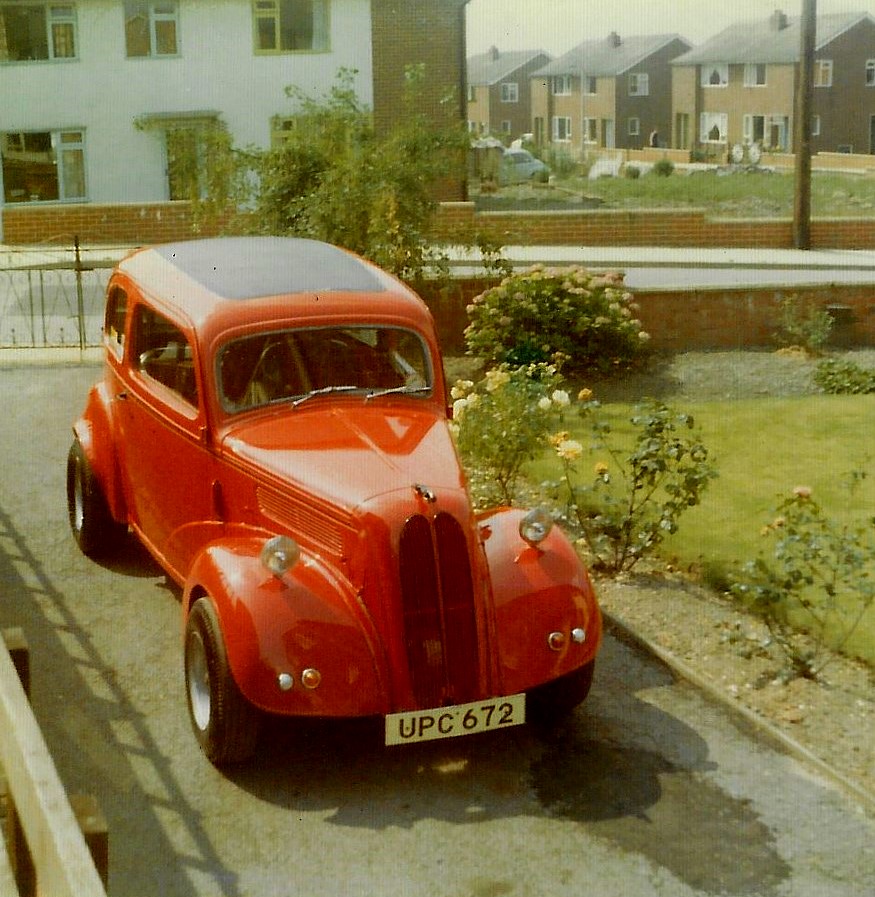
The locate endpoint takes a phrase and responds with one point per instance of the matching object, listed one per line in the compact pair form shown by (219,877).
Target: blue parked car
(519,165)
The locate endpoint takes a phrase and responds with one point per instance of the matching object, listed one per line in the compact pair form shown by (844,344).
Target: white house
(97,95)
(92,89)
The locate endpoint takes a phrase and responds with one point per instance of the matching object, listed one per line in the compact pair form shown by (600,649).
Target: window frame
(59,147)
(722,70)
(272,10)
(707,120)
(639,84)
(633,126)
(590,81)
(554,128)
(870,73)
(823,72)
(52,15)
(752,74)
(155,17)
(510,92)
(564,81)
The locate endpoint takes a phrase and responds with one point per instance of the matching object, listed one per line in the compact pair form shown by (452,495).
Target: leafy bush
(631,171)
(335,178)
(841,377)
(663,168)
(629,501)
(561,163)
(541,314)
(803,324)
(500,424)
(820,577)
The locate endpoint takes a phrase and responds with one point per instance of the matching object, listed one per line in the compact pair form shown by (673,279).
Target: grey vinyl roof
(757,41)
(493,66)
(604,57)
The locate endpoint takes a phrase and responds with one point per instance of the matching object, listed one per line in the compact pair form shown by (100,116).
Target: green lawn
(763,448)
(738,195)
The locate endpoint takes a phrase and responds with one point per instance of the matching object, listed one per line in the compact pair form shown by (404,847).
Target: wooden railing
(46,850)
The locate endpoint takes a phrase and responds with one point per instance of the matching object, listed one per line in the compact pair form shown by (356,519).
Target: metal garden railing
(53,297)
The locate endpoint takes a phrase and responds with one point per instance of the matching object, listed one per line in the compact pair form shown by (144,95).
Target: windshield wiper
(323,391)
(395,390)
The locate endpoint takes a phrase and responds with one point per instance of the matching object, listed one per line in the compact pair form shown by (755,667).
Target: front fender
(95,432)
(537,592)
(309,619)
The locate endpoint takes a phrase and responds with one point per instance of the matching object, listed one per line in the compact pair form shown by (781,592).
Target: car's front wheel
(225,723)
(95,531)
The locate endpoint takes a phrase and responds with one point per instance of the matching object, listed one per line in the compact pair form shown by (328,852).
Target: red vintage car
(272,425)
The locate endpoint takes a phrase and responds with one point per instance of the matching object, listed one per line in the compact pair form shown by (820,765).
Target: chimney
(614,39)
(494,54)
(778,21)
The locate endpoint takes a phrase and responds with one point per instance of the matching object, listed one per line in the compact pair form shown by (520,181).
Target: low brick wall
(679,320)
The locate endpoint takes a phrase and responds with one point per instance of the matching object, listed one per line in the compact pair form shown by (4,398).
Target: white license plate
(459,719)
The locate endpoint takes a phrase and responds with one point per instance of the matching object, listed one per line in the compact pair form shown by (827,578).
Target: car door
(167,461)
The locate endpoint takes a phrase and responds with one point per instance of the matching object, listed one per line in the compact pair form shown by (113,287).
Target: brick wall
(680,320)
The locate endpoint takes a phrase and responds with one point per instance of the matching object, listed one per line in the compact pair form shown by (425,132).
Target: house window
(283,26)
(41,166)
(561,85)
(150,29)
(823,73)
(506,126)
(634,127)
(754,128)
(561,128)
(282,128)
(510,92)
(714,75)
(755,74)
(591,85)
(36,31)
(472,93)
(815,126)
(712,127)
(870,73)
(590,130)
(639,84)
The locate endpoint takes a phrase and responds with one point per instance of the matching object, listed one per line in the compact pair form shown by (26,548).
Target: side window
(162,352)
(114,323)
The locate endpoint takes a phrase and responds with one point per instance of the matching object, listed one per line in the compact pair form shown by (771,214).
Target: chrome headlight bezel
(280,554)
(535,526)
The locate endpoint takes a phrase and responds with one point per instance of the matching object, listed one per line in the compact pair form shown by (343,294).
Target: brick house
(739,87)
(100,97)
(614,92)
(499,90)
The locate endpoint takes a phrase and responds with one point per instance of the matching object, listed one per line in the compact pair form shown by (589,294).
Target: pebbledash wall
(723,317)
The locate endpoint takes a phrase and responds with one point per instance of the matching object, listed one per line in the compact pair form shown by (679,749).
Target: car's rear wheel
(549,704)
(225,724)
(95,531)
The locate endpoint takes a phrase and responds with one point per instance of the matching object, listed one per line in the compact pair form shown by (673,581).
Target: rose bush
(542,314)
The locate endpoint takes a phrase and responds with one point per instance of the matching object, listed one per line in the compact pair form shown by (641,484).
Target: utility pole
(802,127)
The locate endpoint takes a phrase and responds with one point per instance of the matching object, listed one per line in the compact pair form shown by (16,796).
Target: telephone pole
(802,127)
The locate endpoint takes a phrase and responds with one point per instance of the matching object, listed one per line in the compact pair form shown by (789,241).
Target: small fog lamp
(280,554)
(536,526)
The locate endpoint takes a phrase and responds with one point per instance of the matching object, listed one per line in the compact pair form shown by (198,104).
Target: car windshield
(294,364)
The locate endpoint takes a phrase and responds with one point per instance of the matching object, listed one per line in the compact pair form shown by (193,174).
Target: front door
(608,133)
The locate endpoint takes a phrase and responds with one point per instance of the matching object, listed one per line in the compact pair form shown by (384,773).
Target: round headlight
(280,554)
(536,526)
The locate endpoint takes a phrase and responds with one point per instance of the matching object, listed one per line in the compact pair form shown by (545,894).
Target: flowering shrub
(819,578)
(541,314)
(501,422)
(626,503)
(839,377)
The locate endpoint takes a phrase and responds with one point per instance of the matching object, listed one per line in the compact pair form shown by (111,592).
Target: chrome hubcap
(198,675)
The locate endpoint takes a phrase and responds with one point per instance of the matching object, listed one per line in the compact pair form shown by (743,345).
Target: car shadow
(621,767)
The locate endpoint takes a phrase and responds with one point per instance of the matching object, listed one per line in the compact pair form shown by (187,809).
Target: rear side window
(162,352)
(114,323)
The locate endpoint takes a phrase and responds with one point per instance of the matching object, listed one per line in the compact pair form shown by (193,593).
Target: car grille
(440,625)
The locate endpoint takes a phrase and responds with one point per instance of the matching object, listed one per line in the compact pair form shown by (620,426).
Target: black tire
(225,724)
(93,527)
(549,705)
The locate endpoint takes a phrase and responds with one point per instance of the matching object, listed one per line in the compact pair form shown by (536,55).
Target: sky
(558,25)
